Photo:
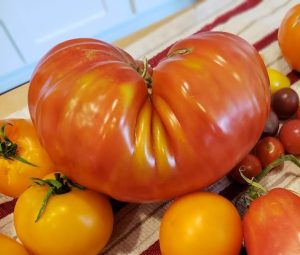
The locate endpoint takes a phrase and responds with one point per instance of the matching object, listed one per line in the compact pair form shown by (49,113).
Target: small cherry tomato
(289,37)
(250,167)
(272,125)
(268,149)
(21,156)
(289,135)
(73,222)
(9,246)
(201,223)
(277,80)
(285,103)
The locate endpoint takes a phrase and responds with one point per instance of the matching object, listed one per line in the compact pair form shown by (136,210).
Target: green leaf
(45,202)
(24,161)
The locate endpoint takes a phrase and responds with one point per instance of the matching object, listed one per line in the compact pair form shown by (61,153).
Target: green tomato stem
(9,149)
(58,186)
(256,189)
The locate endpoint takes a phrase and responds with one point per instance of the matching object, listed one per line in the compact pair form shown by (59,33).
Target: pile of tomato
(209,224)
(281,134)
(57,215)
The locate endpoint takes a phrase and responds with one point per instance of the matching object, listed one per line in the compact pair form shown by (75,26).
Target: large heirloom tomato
(272,224)
(21,156)
(146,136)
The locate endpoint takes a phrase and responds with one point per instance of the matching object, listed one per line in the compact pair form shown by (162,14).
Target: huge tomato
(73,223)
(201,223)
(289,37)
(272,224)
(142,137)
(21,156)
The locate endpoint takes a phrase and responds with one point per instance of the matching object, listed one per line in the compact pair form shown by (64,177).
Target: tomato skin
(272,224)
(277,80)
(272,125)
(289,37)
(250,166)
(15,175)
(201,223)
(285,102)
(103,129)
(75,223)
(268,149)
(11,247)
(289,135)
(298,113)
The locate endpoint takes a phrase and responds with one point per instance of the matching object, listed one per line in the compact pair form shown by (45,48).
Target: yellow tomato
(277,80)
(9,246)
(75,223)
(23,143)
(201,223)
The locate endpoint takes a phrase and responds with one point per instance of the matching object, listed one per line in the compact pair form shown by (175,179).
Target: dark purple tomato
(289,136)
(285,103)
(272,125)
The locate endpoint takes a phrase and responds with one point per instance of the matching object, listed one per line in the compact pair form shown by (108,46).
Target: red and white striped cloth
(136,228)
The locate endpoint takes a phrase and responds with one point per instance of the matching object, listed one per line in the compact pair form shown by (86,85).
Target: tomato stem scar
(182,51)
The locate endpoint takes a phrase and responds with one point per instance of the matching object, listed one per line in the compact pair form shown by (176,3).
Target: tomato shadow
(134,224)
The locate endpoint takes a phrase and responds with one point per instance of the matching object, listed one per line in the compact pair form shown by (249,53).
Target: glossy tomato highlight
(147,136)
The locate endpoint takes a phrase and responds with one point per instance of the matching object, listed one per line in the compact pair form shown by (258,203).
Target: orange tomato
(9,246)
(14,174)
(201,223)
(289,37)
(74,223)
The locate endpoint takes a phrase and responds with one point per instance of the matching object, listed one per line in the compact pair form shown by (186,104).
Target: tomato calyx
(256,189)
(58,186)
(9,149)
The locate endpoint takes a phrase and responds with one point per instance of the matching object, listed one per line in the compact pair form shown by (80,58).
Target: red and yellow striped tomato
(146,136)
